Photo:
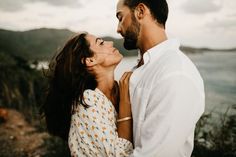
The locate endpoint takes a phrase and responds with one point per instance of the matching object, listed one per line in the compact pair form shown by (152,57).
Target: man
(166,89)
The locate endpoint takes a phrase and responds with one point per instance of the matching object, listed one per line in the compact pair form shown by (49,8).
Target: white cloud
(228,23)
(216,28)
(17,5)
(70,3)
(12,5)
(202,6)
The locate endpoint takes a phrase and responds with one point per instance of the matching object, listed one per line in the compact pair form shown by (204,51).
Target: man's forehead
(120,4)
(121,7)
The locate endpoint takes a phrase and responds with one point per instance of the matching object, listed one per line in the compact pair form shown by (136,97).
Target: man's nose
(118,29)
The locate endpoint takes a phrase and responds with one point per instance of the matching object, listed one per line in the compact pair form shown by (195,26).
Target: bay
(218,70)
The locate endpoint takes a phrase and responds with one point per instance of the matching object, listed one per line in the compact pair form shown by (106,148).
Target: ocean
(218,70)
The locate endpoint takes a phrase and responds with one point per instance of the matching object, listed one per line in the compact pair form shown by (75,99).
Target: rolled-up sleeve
(105,136)
(93,130)
(175,104)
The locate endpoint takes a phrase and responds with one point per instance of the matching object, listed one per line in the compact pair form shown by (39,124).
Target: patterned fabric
(93,130)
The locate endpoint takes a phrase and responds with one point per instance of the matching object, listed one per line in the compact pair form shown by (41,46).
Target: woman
(83,97)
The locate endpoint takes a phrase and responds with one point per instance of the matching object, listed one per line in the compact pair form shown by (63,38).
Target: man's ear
(140,10)
(91,61)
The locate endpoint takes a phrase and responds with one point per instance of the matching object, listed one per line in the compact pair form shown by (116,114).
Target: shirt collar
(158,50)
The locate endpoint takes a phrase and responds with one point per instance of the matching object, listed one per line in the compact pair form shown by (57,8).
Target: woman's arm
(124,123)
(95,128)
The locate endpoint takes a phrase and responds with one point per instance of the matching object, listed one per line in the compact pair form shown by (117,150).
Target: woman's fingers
(128,76)
(125,77)
(124,88)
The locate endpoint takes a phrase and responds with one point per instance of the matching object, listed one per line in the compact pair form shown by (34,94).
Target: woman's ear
(91,61)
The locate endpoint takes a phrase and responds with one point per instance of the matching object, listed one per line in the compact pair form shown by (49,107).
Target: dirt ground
(19,139)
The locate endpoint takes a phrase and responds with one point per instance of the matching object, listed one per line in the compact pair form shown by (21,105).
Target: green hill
(33,44)
(40,44)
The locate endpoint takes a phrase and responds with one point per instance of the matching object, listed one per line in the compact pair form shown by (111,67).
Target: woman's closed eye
(101,43)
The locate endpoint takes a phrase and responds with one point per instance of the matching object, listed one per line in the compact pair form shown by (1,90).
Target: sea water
(218,70)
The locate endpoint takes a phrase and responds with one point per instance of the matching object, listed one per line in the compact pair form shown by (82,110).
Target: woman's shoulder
(92,97)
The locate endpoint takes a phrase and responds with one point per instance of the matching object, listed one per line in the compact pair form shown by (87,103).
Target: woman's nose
(110,43)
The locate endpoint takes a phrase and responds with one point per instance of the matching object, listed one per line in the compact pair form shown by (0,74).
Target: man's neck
(151,37)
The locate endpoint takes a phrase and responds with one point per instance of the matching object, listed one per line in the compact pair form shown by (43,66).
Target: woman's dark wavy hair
(158,8)
(68,79)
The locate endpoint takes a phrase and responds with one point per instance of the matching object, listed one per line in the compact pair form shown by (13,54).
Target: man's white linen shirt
(167,97)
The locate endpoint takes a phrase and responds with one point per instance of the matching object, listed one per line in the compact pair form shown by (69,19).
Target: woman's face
(104,52)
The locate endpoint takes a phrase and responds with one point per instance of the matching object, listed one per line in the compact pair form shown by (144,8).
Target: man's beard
(131,35)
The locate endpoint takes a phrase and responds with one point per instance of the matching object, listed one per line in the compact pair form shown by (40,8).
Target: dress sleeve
(100,123)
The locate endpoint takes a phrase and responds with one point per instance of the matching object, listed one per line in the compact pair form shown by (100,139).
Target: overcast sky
(199,23)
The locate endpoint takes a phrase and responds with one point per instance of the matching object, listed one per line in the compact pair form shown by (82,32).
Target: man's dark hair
(158,8)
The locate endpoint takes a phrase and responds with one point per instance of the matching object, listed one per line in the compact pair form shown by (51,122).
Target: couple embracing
(151,112)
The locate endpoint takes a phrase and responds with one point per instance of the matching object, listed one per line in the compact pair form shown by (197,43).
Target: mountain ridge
(43,43)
